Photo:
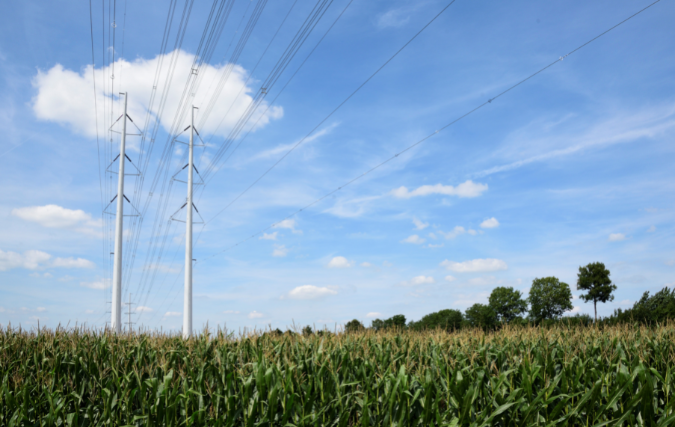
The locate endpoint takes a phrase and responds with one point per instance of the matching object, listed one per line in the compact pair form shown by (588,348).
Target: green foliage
(658,308)
(448,320)
(307,331)
(481,316)
(594,278)
(614,376)
(549,298)
(354,326)
(507,303)
(394,322)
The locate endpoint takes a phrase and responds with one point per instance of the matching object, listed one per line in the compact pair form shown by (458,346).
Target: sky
(570,167)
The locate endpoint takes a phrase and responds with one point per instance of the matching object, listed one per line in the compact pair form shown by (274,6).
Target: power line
(489,101)
(332,112)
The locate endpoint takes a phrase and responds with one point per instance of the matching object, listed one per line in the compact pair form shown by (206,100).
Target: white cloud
(255,315)
(419,225)
(440,245)
(283,148)
(387,264)
(671,262)
(475,265)
(490,223)
(373,314)
(271,236)
(72,263)
(465,189)
(40,309)
(89,311)
(2,309)
(625,302)
(30,260)
(289,224)
(231,312)
(64,96)
(54,216)
(172,314)
(143,309)
(575,310)
(419,280)
(450,279)
(310,292)
(414,239)
(457,231)
(366,264)
(616,237)
(340,262)
(432,236)
(97,284)
(280,251)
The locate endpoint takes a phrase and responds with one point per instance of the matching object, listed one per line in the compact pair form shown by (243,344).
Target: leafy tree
(307,331)
(594,278)
(507,303)
(397,321)
(549,298)
(657,308)
(354,326)
(377,324)
(481,316)
(444,319)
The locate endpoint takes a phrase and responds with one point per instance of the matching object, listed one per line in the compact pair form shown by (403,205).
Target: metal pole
(116,312)
(187,298)
(129,312)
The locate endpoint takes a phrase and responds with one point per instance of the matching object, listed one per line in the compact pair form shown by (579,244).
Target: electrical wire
(447,125)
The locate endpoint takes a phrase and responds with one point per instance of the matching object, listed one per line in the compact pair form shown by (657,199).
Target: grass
(615,376)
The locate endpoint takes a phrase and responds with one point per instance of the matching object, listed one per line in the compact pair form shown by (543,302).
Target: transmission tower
(187,293)
(116,309)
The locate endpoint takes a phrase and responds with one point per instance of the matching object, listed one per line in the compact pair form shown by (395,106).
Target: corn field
(618,376)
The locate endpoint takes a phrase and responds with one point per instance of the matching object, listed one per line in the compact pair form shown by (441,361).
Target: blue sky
(573,166)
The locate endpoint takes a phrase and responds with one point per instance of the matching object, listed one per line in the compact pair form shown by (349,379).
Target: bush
(448,320)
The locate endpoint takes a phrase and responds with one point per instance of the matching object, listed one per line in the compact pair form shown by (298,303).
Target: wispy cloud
(465,189)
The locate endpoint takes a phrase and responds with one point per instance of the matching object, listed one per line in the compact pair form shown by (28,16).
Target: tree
(481,316)
(307,331)
(445,319)
(397,321)
(354,326)
(507,303)
(594,278)
(549,298)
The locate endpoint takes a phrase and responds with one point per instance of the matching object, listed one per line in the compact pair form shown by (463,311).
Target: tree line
(548,300)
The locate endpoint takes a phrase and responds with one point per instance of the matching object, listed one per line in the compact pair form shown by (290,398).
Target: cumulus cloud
(475,265)
(373,314)
(457,231)
(366,264)
(270,236)
(172,314)
(490,223)
(465,189)
(289,224)
(231,312)
(419,225)
(280,251)
(419,280)
(30,260)
(54,216)
(450,279)
(575,310)
(339,262)
(64,96)
(97,284)
(616,237)
(72,263)
(414,239)
(89,311)
(255,315)
(143,309)
(310,292)
(651,229)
